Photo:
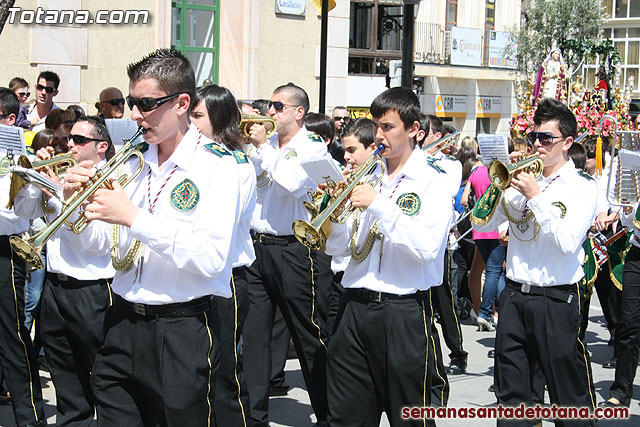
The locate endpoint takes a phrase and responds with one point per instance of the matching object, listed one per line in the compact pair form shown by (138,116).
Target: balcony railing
(432,43)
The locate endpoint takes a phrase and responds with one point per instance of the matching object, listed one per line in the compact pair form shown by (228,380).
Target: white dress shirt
(627,221)
(279,201)
(244,254)
(453,169)
(187,254)
(555,256)
(412,257)
(10,222)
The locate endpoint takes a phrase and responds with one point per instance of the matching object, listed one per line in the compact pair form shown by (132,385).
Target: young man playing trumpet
(77,290)
(175,226)
(377,357)
(549,216)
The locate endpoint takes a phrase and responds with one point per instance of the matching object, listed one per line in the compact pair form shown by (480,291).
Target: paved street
(469,390)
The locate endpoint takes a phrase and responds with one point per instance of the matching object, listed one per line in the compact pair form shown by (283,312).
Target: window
(195,32)
(375,35)
(620,9)
(627,42)
(452,14)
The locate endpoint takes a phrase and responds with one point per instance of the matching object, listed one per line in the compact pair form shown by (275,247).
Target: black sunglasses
(279,106)
(149,104)
(545,138)
(341,118)
(115,102)
(81,140)
(23,94)
(47,89)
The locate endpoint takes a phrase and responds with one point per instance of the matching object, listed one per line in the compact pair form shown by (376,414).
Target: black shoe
(610,364)
(456,368)
(279,390)
(492,388)
(320,424)
(491,354)
(609,404)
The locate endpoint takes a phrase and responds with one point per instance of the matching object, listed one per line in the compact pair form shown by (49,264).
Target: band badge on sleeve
(217,149)
(185,196)
(240,156)
(562,207)
(434,164)
(291,154)
(409,203)
(315,137)
(4,166)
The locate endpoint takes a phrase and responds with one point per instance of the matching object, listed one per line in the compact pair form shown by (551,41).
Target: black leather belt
(65,281)
(375,296)
(5,248)
(272,239)
(179,309)
(560,292)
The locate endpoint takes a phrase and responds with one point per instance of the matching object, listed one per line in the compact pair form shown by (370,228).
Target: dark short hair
(42,139)
(320,124)
(578,154)
(57,117)
(50,76)
(432,124)
(296,94)
(402,100)
(222,109)
(261,105)
(77,111)
(550,109)
(17,83)
(591,146)
(9,102)
(339,107)
(170,68)
(363,129)
(448,130)
(100,131)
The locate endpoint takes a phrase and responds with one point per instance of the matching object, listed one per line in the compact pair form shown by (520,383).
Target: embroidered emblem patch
(185,196)
(4,166)
(240,156)
(217,149)
(432,161)
(563,208)
(315,137)
(409,203)
(291,154)
(30,150)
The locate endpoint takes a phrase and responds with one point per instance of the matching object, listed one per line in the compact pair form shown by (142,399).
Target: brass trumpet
(443,143)
(501,174)
(249,120)
(59,163)
(312,234)
(30,249)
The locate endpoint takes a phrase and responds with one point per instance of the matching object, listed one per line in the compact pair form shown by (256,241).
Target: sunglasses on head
(279,106)
(47,89)
(341,118)
(149,104)
(545,138)
(81,140)
(24,94)
(115,102)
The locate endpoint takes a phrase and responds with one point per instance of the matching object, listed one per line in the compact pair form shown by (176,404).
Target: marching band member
(540,306)
(77,292)
(18,356)
(175,224)
(379,349)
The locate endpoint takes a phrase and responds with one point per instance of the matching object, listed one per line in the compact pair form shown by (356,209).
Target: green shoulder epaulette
(451,157)
(241,156)
(585,175)
(434,164)
(217,149)
(30,150)
(486,206)
(315,137)
(143,147)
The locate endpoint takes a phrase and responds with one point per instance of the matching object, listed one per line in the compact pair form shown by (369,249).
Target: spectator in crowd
(111,103)
(46,89)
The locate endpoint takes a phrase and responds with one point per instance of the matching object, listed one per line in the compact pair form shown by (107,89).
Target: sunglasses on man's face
(81,140)
(48,89)
(24,94)
(115,102)
(279,106)
(149,104)
(545,138)
(341,118)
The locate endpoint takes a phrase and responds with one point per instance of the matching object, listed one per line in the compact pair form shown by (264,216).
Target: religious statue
(552,79)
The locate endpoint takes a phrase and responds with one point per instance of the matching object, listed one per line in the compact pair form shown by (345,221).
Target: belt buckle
(138,308)
(525,288)
(375,296)
(62,277)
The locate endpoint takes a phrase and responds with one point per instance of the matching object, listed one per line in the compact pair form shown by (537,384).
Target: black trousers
(439,382)
(16,349)
(231,407)
(541,328)
(377,360)
(284,274)
(155,371)
(72,330)
(628,330)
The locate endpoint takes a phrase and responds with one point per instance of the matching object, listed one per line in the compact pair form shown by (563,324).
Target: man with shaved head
(111,104)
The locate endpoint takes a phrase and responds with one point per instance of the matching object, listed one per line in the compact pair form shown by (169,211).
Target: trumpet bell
(27,251)
(249,120)
(501,174)
(308,235)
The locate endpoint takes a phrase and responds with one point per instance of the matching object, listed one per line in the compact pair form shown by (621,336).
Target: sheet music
(629,159)
(493,147)
(120,129)
(12,139)
(322,169)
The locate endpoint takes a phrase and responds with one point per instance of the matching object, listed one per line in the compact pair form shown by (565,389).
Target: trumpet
(29,249)
(442,144)
(249,120)
(500,174)
(312,234)
(59,163)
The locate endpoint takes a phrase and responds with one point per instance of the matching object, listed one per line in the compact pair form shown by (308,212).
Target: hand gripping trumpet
(249,120)
(501,174)
(442,144)
(30,249)
(311,233)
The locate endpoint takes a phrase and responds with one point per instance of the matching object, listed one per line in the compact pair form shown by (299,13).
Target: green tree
(549,22)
